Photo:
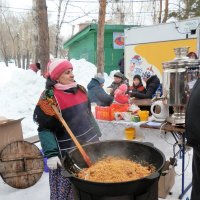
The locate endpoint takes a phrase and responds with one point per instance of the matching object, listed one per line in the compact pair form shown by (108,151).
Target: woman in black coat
(137,85)
(152,83)
(97,94)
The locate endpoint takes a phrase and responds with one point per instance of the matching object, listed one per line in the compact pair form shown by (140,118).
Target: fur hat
(148,73)
(119,75)
(57,67)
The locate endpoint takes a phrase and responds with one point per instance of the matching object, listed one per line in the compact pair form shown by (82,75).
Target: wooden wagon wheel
(21,164)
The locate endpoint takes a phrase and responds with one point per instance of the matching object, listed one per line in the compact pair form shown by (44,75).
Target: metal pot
(179,76)
(136,151)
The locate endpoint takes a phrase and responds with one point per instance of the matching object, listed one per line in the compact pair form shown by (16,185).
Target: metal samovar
(179,77)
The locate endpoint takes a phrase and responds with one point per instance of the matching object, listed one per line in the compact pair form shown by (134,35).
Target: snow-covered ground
(19,93)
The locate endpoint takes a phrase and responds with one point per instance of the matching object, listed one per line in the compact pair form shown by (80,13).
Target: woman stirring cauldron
(72,101)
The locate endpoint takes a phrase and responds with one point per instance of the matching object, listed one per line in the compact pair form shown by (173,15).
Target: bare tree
(13,35)
(35,33)
(41,10)
(166,11)
(16,32)
(186,9)
(100,36)
(160,12)
(27,41)
(4,49)
(154,11)
(60,20)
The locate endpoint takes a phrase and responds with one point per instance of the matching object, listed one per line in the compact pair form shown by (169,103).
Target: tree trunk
(166,11)
(35,34)
(41,10)
(23,61)
(187,9)
(60,20)
(100,37)
(19,60)
(154,12)
(3,48)
(57,29)
(160,12)
(27,59)
(18,52)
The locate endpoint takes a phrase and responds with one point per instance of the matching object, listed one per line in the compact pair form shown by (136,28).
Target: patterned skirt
(60,186)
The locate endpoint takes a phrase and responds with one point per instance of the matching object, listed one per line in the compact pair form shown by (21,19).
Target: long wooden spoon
(80,148)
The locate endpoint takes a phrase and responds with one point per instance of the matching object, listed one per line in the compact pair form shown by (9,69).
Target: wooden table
(166,127)
(178,132)
(142,102)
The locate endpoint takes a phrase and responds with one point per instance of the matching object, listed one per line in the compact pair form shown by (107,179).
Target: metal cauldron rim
(151,176)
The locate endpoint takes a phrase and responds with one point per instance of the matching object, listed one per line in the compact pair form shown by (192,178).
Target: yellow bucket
(130,133)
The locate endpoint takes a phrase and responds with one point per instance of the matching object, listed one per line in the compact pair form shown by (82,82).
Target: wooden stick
(80,148)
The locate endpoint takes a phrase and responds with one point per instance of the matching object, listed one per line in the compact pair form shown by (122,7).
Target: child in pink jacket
(120,95)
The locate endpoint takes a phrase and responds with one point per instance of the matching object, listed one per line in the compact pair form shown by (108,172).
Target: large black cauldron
(136,151)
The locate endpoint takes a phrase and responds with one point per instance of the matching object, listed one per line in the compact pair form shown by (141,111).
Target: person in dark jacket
(119,79)
(192,122)
(35,67)
(152,83)
(121,64)
(137,85)
(96,92)
(72,101)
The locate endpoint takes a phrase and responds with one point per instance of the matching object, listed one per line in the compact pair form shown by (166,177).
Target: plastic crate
(103,113)
(108,112)
(117,108)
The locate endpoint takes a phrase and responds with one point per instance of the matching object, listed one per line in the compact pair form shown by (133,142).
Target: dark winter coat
(140,88)
(75,110)
(151,86)
(97,94)
(192,120)
(121,65)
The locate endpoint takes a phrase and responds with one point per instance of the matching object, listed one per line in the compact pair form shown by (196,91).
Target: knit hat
(99,77)
(123,87)
(148,73)
(138,77)
(57,67)
(119,75)
(100,80)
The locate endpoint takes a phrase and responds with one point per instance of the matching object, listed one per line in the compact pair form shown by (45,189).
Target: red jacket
(121,98)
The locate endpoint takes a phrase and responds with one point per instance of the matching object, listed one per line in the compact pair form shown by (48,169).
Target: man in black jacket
(193,137)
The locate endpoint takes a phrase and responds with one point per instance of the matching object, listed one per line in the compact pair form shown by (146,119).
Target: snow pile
(20,90)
